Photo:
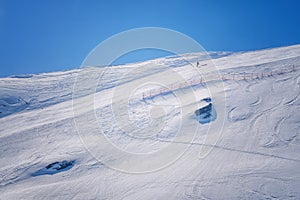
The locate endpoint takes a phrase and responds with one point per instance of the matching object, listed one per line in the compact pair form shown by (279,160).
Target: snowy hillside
(158,129)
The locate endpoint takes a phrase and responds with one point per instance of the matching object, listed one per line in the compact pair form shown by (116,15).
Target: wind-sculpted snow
(256,156)
(11,104)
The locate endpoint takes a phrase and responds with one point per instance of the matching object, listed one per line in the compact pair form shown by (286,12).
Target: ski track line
(264,112)
(278,124)
(226,148)
(257,102)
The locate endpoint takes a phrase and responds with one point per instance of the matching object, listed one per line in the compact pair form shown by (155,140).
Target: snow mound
(22,76)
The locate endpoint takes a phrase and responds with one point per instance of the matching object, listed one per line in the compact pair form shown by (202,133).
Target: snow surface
(255,156)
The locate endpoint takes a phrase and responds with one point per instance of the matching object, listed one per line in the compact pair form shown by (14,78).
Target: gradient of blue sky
(50,35)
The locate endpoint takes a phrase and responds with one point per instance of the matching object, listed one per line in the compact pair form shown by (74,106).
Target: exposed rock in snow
(206,114)
(55,167)
(253,154)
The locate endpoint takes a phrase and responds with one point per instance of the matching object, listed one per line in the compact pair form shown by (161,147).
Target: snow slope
(255,154)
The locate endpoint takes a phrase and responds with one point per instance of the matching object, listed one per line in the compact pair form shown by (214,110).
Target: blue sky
(43,36)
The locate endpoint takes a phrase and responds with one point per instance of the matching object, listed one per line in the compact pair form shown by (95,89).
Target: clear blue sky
(43,36)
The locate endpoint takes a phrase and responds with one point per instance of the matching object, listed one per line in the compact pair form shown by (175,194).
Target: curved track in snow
(256,156)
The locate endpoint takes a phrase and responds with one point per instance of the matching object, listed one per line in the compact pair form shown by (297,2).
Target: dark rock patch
(55,167)
(206,114)
(207,99)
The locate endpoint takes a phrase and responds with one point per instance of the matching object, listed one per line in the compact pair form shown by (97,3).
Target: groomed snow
(256,155)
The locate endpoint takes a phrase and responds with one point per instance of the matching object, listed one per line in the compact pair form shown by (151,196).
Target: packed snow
(235,136)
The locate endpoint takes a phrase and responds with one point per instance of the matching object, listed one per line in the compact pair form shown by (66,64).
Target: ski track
(255,157)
